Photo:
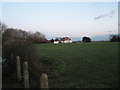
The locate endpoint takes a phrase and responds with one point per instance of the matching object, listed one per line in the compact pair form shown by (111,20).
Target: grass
(84,65)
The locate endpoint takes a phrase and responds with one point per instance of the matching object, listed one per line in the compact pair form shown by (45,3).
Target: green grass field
(84,65)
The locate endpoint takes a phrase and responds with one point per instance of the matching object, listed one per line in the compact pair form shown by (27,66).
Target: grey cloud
(111,13)
(101,16)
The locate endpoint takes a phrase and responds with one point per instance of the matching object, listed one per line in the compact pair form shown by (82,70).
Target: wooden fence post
(19,76)
(26,75)
(44,81)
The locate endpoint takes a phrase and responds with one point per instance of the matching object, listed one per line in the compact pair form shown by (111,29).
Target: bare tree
(39,35)
(3,27)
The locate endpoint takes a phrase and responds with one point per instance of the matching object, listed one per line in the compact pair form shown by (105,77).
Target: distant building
(62,40)
(66,40)
(56,42)
(86,39)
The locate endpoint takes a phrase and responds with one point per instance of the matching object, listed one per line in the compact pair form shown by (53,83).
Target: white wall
(56,42)
(67,41)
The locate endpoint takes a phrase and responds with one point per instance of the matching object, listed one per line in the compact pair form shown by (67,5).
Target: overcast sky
(74,19)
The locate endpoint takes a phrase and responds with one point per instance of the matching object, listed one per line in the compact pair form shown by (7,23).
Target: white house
(66,40)
(62,40)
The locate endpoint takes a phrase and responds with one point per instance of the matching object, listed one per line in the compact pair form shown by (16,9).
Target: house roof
(66,38)
(62,39)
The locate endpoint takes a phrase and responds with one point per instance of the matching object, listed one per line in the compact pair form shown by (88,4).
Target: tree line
(115,38)
(14,34)
(112,38)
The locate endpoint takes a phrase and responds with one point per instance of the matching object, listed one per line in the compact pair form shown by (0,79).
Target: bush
(28,53)
(115,38)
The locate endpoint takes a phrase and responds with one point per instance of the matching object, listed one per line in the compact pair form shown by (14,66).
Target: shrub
(115,38)
(28,53)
